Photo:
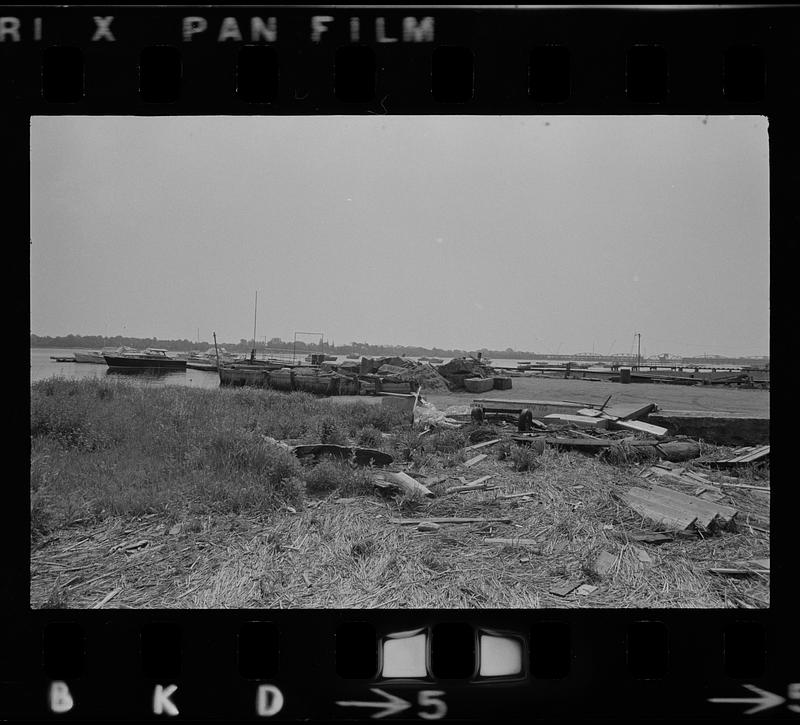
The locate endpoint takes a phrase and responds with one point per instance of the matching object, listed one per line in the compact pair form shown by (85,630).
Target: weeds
(523,458)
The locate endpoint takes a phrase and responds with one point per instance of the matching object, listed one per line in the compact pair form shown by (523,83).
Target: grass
(171,497)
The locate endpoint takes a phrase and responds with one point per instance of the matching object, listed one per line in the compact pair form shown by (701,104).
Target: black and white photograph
(399,362)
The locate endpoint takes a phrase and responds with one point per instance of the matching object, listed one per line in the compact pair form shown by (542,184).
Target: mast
(255,312)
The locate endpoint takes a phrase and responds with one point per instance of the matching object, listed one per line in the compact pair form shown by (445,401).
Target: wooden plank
(641,427)
(446,520)
(706,511)
(519,495)
(579,420)
(657,510)
(724,484)
(476,459)
(485,444)
(651,537)
(564,589)
(630,411)
(515,542)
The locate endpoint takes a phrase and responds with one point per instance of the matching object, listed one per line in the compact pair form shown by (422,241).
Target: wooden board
(483,445)
(476,459)
(641,427)
(644,503)
(629,411)
(446,520)
(705,511)
(581,421)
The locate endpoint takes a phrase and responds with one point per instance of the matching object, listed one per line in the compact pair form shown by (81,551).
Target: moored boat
(152,357)
(89,356)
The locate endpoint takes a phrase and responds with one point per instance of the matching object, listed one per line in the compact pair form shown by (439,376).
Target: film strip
(393,663)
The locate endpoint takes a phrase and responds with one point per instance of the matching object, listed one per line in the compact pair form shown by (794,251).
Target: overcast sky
(538,233)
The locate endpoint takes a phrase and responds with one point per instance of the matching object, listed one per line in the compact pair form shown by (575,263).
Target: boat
(151,357)
(62,358)
(90,356)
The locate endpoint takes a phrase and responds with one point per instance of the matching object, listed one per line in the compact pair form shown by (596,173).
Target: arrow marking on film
(390,706)
(764,702)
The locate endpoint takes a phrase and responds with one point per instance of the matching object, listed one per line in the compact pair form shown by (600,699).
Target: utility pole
(638,350)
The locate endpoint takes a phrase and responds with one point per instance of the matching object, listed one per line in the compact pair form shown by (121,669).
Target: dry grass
(331,552)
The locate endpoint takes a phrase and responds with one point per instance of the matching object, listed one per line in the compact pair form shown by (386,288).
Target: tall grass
(103,448)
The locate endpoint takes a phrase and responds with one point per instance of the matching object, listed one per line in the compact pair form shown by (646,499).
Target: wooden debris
(479,484)
(750,454)
(670,516)
(706,511)
(641,427)
(585,589)
(564,589)
(581,421)
(651,537)
(630,411)
(476,459)
(518,495)
(483,445)
(448,520)
(403,481)
(428,526)
(723,484)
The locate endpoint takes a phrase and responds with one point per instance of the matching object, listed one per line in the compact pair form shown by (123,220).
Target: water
(42,367)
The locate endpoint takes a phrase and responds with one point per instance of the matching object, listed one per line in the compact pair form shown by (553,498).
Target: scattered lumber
(448,520)
(724,484)
(651,537)
(641,427)
(402,481)
(518,495)
(479,484)
(587,442)
(629,411)
(670,516)
(581,421)
(748,454)
(564,589)
(476,459)
(485,444)
(665,502)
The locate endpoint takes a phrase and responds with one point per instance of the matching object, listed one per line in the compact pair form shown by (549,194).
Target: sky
(547,234)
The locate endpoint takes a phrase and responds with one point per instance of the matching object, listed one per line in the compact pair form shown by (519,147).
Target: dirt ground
(668,397)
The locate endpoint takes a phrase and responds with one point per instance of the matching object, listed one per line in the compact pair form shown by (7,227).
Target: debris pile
(461,368)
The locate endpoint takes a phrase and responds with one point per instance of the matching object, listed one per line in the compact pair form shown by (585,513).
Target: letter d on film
(269,700)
